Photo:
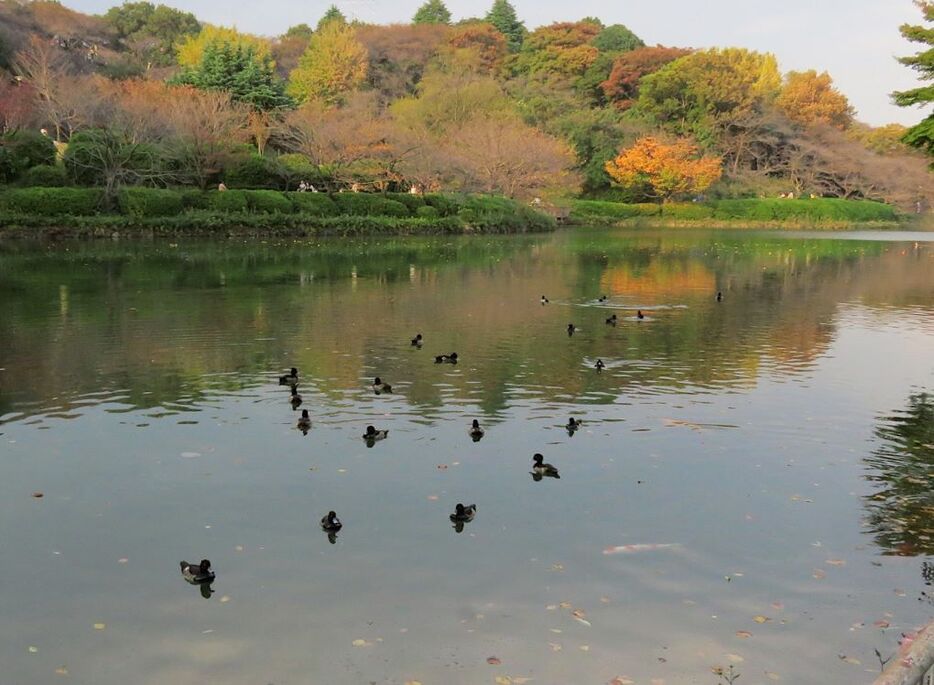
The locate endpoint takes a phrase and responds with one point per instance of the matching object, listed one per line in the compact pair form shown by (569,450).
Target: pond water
(768,457)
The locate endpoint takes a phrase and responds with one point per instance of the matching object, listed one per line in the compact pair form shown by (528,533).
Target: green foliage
(303,31)
(45,176)
(20,150)
(229,201)
(48,202)
(195,199)
(268,202)
(597,211)
(313,204)
(920,136)
(332,14)
(139,202)
(412,202)
(366,204)
(101,157)
(617,38)
(254,171)
(427,212)
(503,16)
(495,214)
(445,204)
(155,28)
(237,69)
(432,12)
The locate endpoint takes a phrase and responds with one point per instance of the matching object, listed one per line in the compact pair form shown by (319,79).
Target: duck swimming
(475,431)
(640,315)
(295,400)
(290,378)
(603,298)
(599,366)
(544,300)
(571,329)
(196,575)
(304,423)
(372,435)
(719,296)
(331,523)
(446,358)
(612,320)
(573,425)
(463,513)
(379,386)
(543,469)
(417,340)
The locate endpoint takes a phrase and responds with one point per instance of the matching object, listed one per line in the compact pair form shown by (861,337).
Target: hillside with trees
(149,95)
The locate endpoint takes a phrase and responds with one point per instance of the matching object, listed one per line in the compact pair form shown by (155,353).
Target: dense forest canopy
(483,104)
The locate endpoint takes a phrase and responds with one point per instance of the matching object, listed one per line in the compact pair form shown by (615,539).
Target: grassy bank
(830,213)
(76,212)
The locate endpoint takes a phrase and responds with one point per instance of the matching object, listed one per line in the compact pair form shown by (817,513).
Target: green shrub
(53,201)
(445,204)
(687,210)
(254,171)
(366,204)
(229,201)
(140,202)
(45,176)
(267,202)
(195,199)
(28,149)
(315,204)
(412,202)
(427,212)
(8,167)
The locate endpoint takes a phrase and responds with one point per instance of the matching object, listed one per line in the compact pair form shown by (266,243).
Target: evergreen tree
(332,14)
(922,135)
(432,12)
(503,16)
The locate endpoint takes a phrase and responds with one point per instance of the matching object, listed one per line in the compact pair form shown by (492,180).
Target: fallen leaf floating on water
(622,680)
(629,549)
(61,670)
(735,658)
(100,626)
(899,592)
(881,623)
(849,659)
(836,562)
(503,680)
(657,681)
(819,574)
(743,634)
(565,605)
(585,648)
(772,676)
(493,661)
(33,650)
(413,682)
(554,646)
(361,643)
(761,619)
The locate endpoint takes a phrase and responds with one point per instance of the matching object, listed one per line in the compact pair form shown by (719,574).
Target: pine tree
(432,12)
(922,135)
(503,16)
(332,14)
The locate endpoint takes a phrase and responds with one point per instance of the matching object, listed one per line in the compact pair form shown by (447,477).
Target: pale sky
(855,40)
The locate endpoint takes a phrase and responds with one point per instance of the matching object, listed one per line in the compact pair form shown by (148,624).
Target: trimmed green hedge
(229,201)
(140,202)
(367,204)
(45,176)
(753,209)
(52,201)
(316,204)
(268,202)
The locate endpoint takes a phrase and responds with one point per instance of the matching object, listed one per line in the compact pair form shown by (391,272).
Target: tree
(502,15)
(701,93)
(299,31)
(617,38)
(480,44)
(17,104)
(561,50)
(334,64)
(191,49)
(621,87)
(235,68)
(809,98)
(398,55)
(664,170)
(432,12)
(331,14)
(921,135)
(151,31)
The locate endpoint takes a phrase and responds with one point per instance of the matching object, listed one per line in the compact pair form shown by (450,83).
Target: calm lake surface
(778,445)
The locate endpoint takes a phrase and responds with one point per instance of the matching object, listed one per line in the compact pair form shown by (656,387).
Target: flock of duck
(203,575)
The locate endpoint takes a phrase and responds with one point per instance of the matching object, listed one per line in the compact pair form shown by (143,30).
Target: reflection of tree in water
(901,512)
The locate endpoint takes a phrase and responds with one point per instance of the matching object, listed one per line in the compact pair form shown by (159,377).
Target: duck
(599,366)
(372,435)
(417,340)
(719,296)
(463,513)
(571,329)
(290,378)
(603,298)
(331,523)
(542,469)
(545,300)
(379,386)
(475,431)
(573,425)
(197,574)
(612,320)
(446,358)
(295,399)
(304,423)
(640,315)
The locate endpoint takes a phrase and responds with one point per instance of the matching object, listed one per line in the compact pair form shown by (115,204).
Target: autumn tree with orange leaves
(664,170)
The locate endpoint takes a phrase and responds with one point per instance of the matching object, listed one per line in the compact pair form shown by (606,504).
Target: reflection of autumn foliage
(901,512)
(660,280)
(664,170)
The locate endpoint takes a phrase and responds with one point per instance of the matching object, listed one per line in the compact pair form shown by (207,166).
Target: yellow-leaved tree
(664,170)
(810,98)
(191,49)
(334,64)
